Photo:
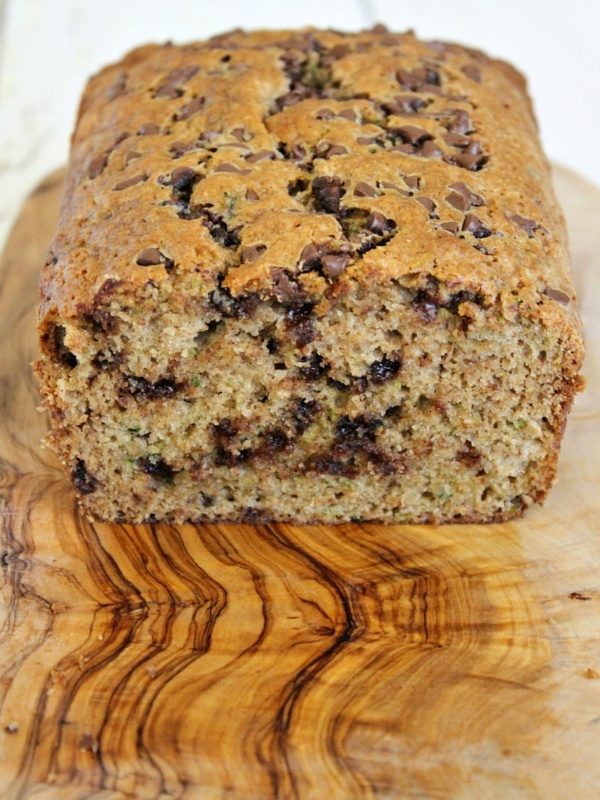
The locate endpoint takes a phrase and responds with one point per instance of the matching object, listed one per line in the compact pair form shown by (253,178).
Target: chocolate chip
(349,114)
(384,370)
(239,134)
(251,195)
(310,256)
(217,227)
(456,300)
(472,162)
(365,190)
(367,140)
(457,201)
(451,226)
(424,79)
(474,225)
(335,150)
(404,105)
(326,464)
(429,75)
(412,181)
(82,480)
(413,134)
(528,225)
(260,155)
(425,306)
(473,147)
(357,428)
(131,155)
(176,78)
(181,178)
(333,265)
(328,191)
(315,367)
(472,71)
(285,286)
(63,354)
(299,322)
(226,167)
(322,148)
(472,198)
(225,458)
(251,254)
(177,148)
(97,165)
(274,441)
(148,129)
(427,203)
(207,499)
(304,415)
(226,430)
(242,307)
(460,122)
(157,468)
(395,108)
(325,113)
(272,345)
(394,413)
(295,95)
(469,455)
(151,257)
(131,182)
(429,149)
(458,140)
(338,385)
(298,152)
(379,224)
(395,188)
(190,108)
(168,91)
(297,186)
(557,296)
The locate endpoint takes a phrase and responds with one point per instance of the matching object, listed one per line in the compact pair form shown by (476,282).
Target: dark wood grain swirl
(274,662)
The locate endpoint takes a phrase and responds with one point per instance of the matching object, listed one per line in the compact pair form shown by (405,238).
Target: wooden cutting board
(240,662)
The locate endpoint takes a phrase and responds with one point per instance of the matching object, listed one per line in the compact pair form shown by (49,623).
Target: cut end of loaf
(450,410)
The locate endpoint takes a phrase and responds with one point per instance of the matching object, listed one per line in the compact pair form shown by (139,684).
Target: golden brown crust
(229,101)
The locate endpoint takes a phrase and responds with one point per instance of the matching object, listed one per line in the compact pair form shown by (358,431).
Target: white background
(49,47)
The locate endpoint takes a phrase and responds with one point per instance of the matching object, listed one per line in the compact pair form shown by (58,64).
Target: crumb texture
(308,276)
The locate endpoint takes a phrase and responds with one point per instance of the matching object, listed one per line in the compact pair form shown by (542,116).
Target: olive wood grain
(280,662)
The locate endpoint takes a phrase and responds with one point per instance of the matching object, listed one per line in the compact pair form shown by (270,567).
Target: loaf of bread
(308,276)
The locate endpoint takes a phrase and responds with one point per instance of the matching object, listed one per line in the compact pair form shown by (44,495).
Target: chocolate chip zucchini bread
(308,276)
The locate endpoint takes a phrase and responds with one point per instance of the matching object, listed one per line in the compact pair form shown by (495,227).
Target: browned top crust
(244,161)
